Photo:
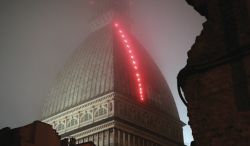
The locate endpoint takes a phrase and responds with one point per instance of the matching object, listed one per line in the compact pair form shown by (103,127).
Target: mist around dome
(38,38)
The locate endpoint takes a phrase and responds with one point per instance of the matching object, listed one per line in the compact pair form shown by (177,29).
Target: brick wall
(216,79)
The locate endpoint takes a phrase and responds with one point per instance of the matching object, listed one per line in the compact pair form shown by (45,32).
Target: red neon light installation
(132,58)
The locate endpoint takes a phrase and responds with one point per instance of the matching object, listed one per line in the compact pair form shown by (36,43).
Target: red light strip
(132,58)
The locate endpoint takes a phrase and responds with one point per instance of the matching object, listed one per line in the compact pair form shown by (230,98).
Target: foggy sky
(37,37)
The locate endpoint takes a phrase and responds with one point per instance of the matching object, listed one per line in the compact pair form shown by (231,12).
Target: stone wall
(216,79)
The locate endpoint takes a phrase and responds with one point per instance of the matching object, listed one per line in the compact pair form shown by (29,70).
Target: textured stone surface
(87,74)
(216,79)
(101,66)
(96,96)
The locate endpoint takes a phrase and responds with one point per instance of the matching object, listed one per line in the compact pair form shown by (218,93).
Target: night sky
(37,38)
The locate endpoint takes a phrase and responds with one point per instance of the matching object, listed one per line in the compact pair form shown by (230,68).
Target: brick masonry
(216,79)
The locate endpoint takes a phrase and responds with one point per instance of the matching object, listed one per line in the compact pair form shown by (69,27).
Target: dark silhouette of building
(216,79)
(110,91)
(35,134)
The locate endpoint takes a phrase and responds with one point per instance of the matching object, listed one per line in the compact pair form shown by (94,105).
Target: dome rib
(101,66)
(88,73)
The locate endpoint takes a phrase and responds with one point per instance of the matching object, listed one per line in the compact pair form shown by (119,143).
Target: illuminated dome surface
(102,65)
(110,91)
(110,60)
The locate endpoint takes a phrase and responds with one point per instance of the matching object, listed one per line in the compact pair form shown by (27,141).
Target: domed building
(110,91)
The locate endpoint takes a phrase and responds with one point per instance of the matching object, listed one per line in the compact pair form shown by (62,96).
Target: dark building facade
(110,91)
(35,134)
(216,79)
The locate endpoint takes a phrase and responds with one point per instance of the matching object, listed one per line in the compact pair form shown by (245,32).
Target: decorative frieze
(147,118)
(82,115)
(103,107)
(94,130)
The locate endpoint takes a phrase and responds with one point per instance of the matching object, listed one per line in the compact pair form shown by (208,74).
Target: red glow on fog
(91,2)
(132,57)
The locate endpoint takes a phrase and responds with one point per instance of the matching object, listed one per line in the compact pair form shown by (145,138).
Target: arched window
(60,127)
(86,117)
(101,111)
(73,122)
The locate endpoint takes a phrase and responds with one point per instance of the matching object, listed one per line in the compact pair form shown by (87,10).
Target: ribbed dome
(100,66)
